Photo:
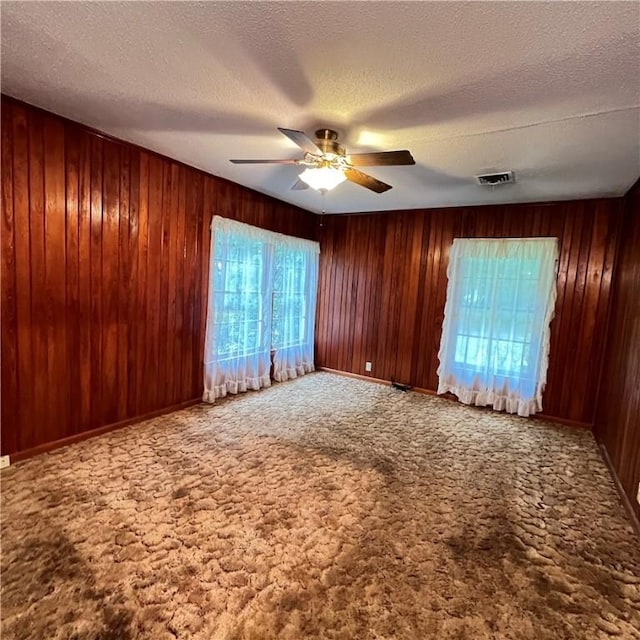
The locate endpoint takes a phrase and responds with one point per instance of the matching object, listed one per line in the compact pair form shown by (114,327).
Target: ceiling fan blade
(365,180)
(302,140)
(264,161)
(299,186)
(381,158)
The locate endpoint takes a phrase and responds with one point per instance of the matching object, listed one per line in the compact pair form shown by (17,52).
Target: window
(295,282)
(495,337)
(262,295)
(238,272)
(290,298)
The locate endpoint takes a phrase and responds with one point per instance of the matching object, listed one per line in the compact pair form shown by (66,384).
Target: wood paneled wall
(383,286)
(618,415)
(104,275)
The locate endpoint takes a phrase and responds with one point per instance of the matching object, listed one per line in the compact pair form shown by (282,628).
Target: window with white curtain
(289,297)
(261,308)
(295,282)
(495,336)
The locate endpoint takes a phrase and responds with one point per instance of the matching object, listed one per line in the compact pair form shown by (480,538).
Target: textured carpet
(320,508)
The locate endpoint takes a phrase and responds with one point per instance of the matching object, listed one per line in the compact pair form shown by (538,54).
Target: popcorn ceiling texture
(550,90)
(323,507)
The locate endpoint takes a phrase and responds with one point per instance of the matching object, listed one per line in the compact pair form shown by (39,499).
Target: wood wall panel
(105,250)
(618,415)
(9,333)
(383,287)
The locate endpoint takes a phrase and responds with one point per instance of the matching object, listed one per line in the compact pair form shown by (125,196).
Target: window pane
(237,275)
(289,297)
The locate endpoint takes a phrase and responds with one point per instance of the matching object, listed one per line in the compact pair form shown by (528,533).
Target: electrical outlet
(638,494)
(4,461)
(367,366)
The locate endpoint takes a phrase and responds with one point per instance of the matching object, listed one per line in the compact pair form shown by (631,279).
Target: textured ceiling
(550,90)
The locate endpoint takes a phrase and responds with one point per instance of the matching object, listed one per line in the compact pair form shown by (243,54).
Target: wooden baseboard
(92,433)
(577,424)
(357,376)
(626,500)
(449,396)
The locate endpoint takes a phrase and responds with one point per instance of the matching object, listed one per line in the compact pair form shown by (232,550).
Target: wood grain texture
(383,286)
(618,414)
(105,250)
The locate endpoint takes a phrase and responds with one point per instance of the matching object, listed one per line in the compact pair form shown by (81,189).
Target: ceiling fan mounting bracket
(326,134)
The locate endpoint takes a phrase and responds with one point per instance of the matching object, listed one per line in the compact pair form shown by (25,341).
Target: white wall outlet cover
(4,462)
(367,366)
(638,494)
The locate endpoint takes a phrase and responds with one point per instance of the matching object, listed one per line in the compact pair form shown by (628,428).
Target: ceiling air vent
(496,179)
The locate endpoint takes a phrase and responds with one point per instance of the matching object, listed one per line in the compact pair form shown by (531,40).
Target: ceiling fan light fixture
(323,178)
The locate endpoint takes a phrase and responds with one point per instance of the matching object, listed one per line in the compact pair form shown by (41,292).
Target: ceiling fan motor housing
(327,142)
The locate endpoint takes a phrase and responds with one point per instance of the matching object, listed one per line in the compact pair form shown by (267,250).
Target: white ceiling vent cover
(496,179)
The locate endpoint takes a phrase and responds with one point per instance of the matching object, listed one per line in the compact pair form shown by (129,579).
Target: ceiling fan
(327,164)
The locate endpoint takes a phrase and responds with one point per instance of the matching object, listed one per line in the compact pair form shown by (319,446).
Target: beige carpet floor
(320,508)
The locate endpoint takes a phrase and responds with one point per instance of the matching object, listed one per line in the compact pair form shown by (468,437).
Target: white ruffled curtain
(495,336)
(238,335)
(294,307)
(246,262)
